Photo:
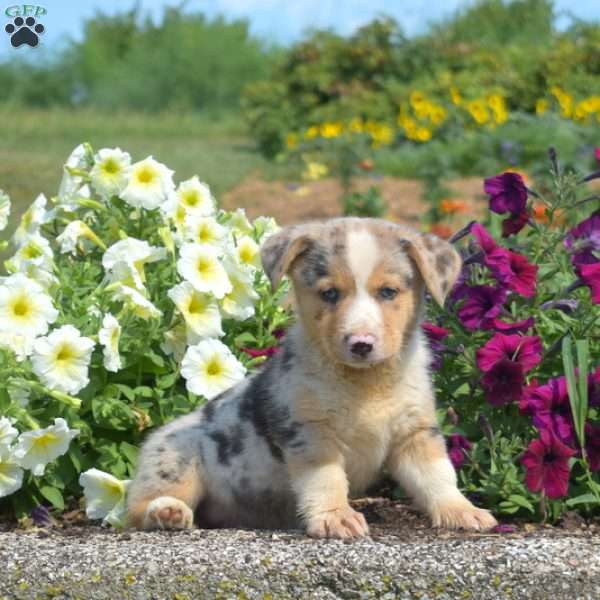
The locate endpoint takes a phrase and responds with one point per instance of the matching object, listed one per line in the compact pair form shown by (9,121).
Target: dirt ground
(297,202)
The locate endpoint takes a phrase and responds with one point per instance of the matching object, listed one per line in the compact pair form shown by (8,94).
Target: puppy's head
(359,283)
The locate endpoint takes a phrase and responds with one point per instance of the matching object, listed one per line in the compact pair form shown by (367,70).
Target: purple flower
(514,224)
(516,327)
(590,273)
(41,516)
(256,352)
(508,193)
(483,304)
(549,406)
(547,464)
(503,383)
(513,270)
(484,238)
(597,155)
(458,449)
(523,349)
(592,446)
(594,388)
(435,335)
(584,239)
(504,528)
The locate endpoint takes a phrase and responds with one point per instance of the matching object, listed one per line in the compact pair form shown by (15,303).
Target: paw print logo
(24,31)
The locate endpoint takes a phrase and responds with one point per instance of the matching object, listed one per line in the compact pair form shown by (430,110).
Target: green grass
(35,144)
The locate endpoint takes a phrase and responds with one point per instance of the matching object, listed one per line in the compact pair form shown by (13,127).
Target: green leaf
(155,358)
(126,391)
(574,400)
(521,501)
(144,391)
(53,496)
(167,381)
(583,499)
(243,339)
(129,452)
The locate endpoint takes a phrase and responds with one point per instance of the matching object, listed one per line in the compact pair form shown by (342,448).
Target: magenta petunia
(523,349)
(483,304)
(583,241)
(458,449)
(435,335)
(503,383)
(597,155)
(256,352)
(507,193)
(547,463)
(484,238)
(513,270)
(594,388)
(590,273)
(516,327)
(592,446)
(514,224)
(550,408)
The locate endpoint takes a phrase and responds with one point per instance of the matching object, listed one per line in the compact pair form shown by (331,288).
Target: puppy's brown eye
(331,295)
(386,293)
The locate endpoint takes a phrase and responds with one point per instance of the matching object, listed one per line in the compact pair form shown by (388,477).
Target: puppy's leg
(167,487)
(321,489)
(421,465)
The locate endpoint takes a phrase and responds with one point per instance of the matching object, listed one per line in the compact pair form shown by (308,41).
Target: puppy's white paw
(341,523)
(461,514)
(166,512)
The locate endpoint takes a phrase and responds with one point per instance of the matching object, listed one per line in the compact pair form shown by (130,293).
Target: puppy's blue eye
(331,295)
(386,293)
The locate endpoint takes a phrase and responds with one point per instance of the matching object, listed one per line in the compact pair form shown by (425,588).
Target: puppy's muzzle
(362,345)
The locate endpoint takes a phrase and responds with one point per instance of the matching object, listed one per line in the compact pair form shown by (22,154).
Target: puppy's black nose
(361,349)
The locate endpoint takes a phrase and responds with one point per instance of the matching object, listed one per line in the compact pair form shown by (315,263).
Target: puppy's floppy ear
(281,249)
(438,262)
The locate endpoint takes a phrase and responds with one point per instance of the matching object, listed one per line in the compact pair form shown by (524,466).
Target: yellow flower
(423,134)
(541,106)
(314,171)
(356,125)
(312,132)
(455,96)
(331,130)
(291,140)
(478,111)
(438,114)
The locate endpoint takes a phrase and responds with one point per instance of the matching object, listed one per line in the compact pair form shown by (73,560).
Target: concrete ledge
(89,563)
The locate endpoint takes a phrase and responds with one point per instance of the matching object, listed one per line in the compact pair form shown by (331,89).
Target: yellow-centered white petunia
(149,184)
(34,250)
(196,197)
(210,368)
(72,185)
(110,172)
(105,496)
(175,342)
(109,337)
(201,266)
(204,230)
(137,302)
(26,309)
(7,433)
(239,222)
(200,311)
(247,252)
(31,221)
(20,345)
(265,227)
(125,260)
(71,234)
(36,448)
(4,209)
(61,359)
(240,301)
(11,474)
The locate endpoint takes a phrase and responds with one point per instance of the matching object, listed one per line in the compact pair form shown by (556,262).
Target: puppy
(349,396)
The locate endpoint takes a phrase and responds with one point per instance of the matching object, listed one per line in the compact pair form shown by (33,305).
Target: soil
(297,202)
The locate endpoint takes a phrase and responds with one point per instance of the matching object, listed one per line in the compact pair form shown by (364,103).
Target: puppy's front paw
(461,514)
(341,523)
(166,512)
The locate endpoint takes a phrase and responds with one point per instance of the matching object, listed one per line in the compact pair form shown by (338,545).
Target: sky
(280,21)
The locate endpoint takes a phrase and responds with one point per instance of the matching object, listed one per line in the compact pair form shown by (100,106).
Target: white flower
(109,336)
(247,252)
(25,308)
(39,275)
(109,173)
(265,227)
(200,266)
(149,184)
(4,209)
(175,342)
(35,216)
(72,232)
(195,197)
(239,222)
(36,448)
(33,250)
(204,230)
(61,359)
(19,395)
(7,433)
(137,302)
(239,303)
(125,261)
(210,368)
(104,496)
(11,474)
(20,345)
(72,186)
(200,311)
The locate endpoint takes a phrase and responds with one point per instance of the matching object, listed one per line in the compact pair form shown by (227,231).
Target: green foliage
(369,204)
